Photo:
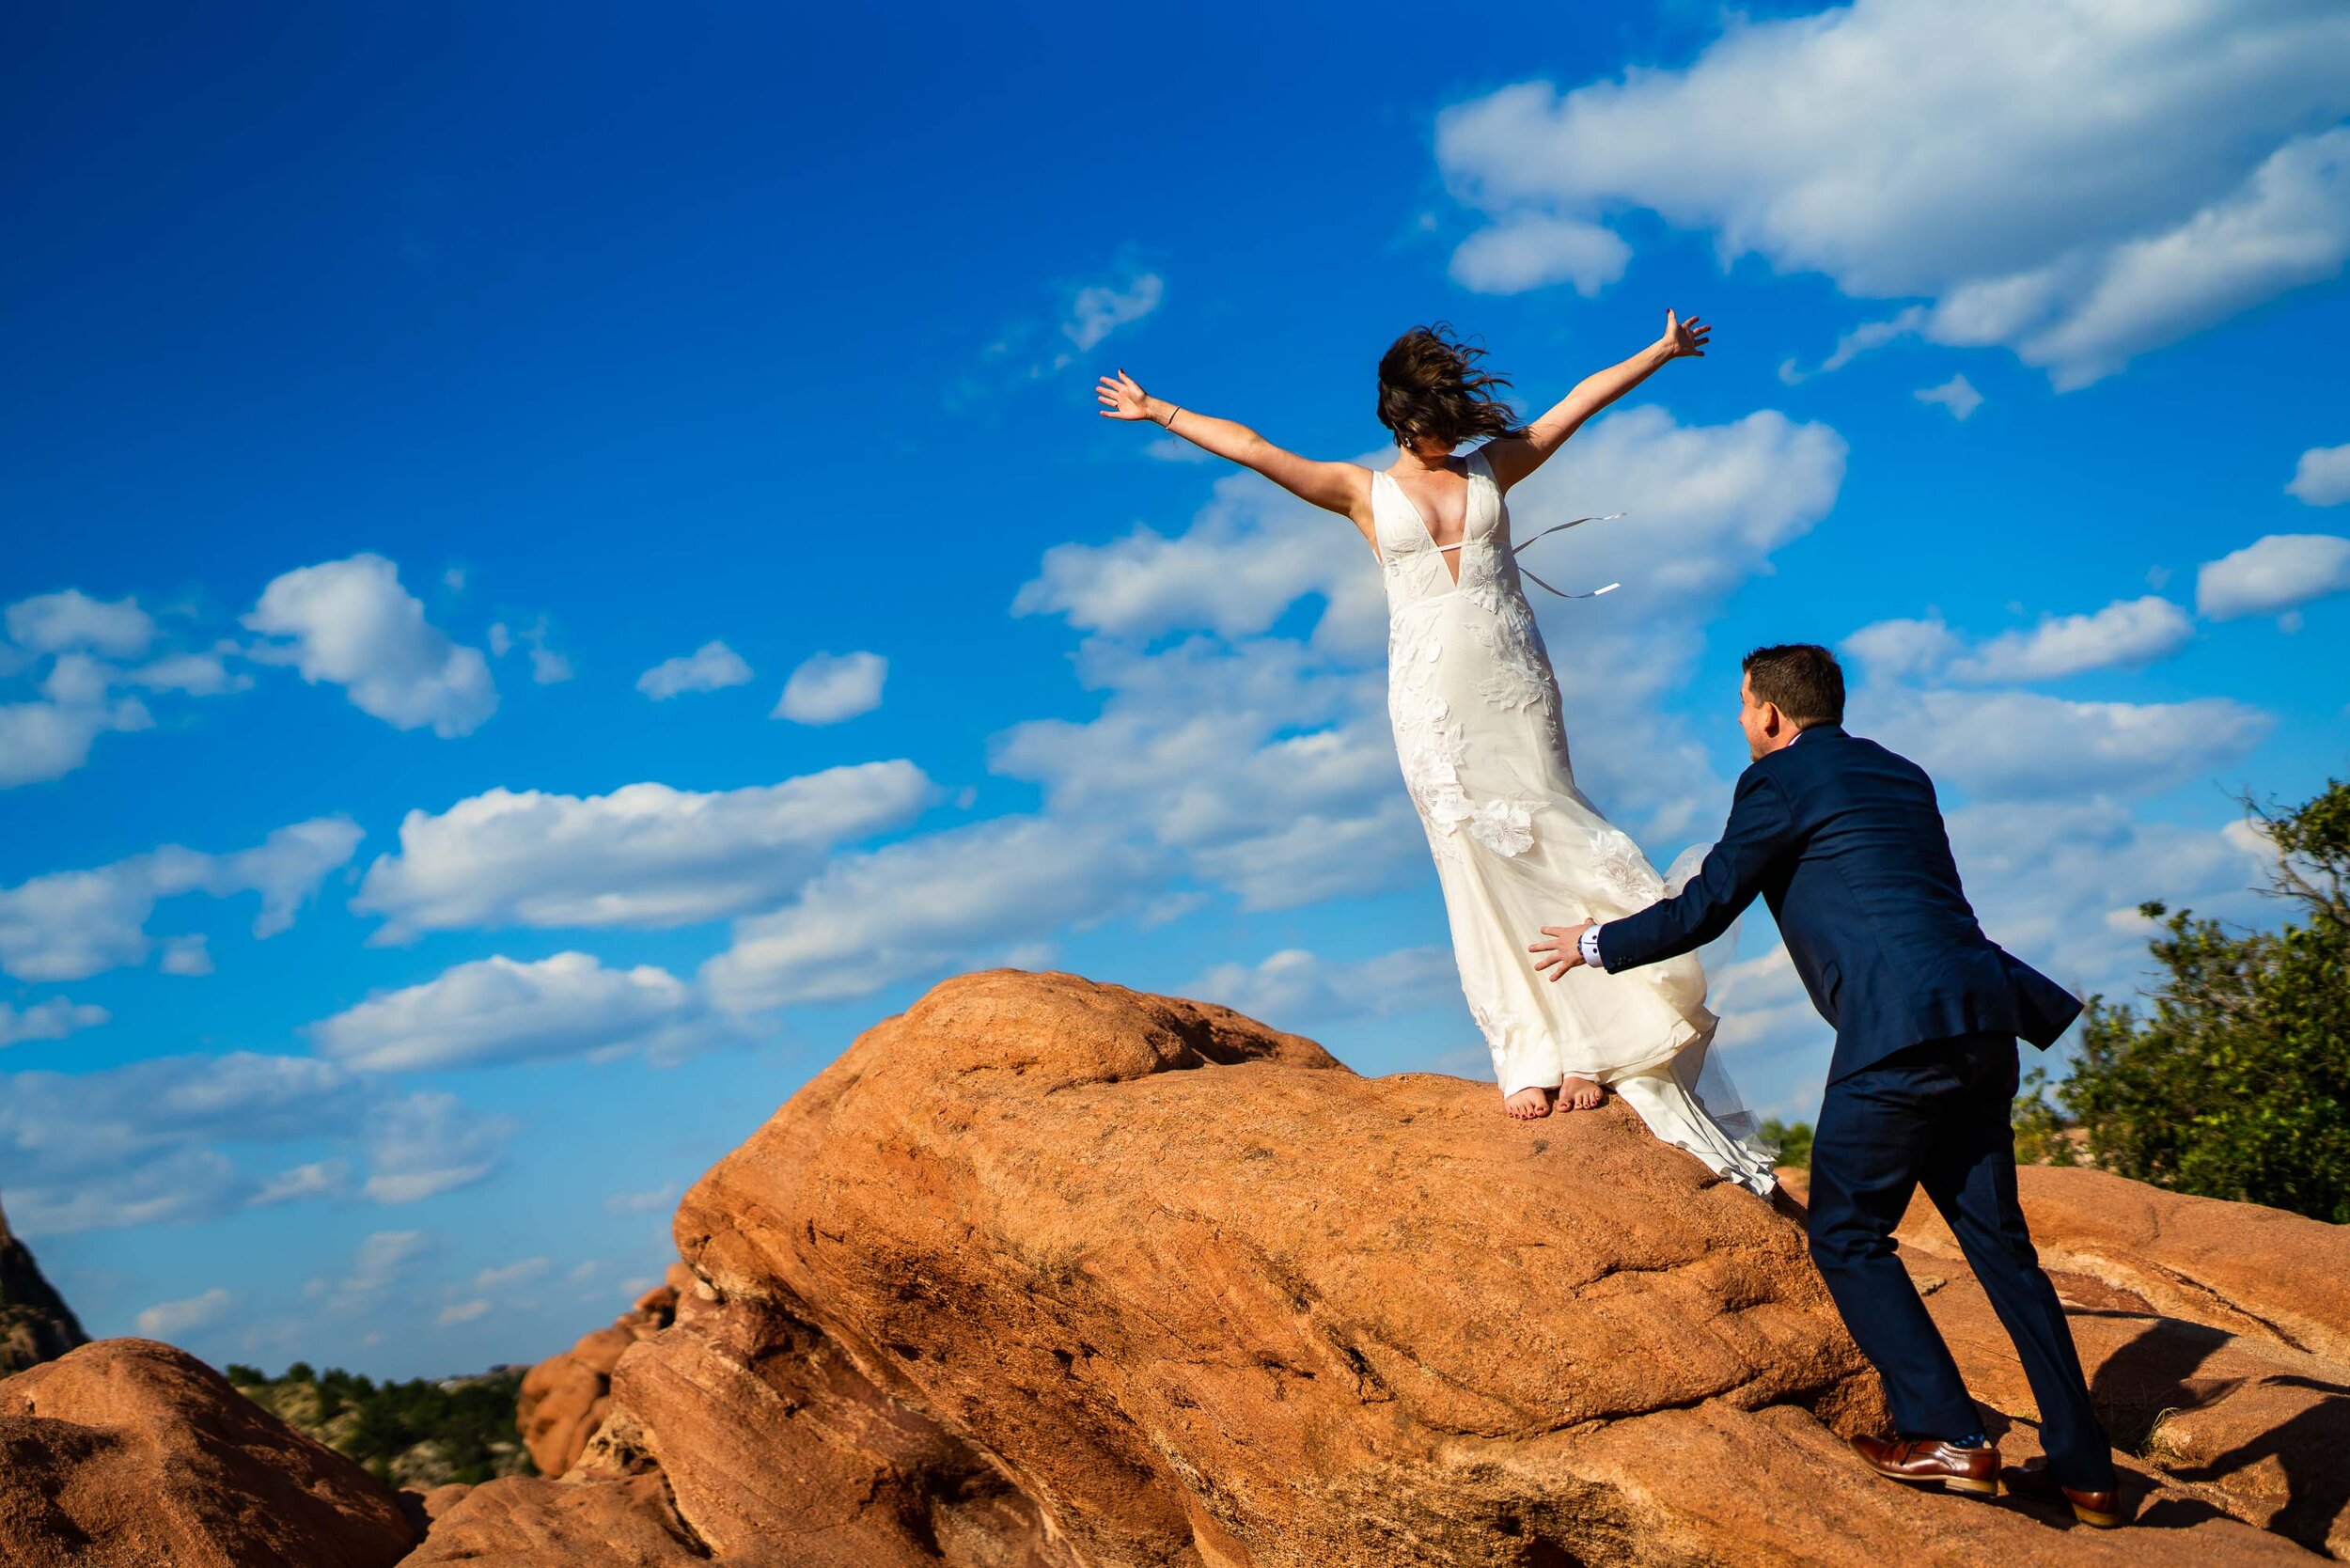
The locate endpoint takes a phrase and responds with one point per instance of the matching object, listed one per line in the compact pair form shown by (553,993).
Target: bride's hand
(1684,338)
(1122,398)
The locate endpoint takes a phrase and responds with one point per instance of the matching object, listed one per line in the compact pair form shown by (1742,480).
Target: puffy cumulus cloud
(383,1261)
(2273,576)
(1099,309)
(827,688)
(143,1142)
(2206,174)
(547,666)
(74,649)
(1293,987)
(2123,635)
(2013,745)
(2321,477)
(50,737)
(351,623)
(191,1137)
(1533,250)
(1247,555)
(53,1019)
(712,667)
(422,1145)
(1268,760)
(645,854)
(498,1009)
(1957,394)
(1272,773)
(67,925)
(2058,883)
(1038,346)
(55,622)
(929,905)
(169,1320)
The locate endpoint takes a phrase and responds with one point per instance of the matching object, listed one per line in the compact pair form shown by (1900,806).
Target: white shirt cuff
(1587,943)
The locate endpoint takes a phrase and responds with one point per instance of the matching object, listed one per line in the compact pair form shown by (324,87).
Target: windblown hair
(1802,678)
(1430,387)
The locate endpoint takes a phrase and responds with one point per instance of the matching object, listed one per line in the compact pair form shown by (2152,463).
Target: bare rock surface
(1046,1274)
(564,1397)
(36,1325)
(128,1454)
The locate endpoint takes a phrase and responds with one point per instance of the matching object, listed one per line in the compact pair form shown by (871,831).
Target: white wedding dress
(1483,748)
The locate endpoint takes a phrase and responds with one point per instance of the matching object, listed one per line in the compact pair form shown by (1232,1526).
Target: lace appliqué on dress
(1625,871)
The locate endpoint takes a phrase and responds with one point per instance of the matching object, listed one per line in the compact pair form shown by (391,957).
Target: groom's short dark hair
(1802,678)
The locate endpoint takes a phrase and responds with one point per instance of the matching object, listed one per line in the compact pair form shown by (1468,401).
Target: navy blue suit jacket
(1844,840)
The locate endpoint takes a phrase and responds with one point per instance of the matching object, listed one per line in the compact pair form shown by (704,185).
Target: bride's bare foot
(1581,1094)
(1528,1104)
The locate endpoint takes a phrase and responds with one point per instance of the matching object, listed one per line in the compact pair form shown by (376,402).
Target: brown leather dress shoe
(2101,1509)
(1930,1462)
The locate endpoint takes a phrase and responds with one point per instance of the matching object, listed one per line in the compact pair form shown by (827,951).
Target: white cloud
(646,1203)
(80,695)
(830,687)
(2008,745)
(522,1271)
(2204,174)
(1272,771)
(928,906)
(645,854)
(167,1320)
(2321,477)
(497,1009)
(547,666)
(1900,650)
(2058,883)
(2272,575)
(350,623)
(57,622)
(49,738)
(2126,633)
(1957,394)
(1294,987)
(383,1259)
(70,924)
(142,1143)
(1533,250)
(314,1179)
(54,1019)
(462,1312)
(188,955)
(1101,308)
(711,667)
(1267,762)
(431,1143)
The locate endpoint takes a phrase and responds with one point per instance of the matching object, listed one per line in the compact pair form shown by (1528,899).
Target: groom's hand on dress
(1563,949)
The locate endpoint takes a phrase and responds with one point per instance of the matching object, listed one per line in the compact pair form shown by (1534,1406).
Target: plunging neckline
(1428,533)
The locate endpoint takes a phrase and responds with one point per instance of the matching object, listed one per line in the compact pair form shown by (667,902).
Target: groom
(1845,842)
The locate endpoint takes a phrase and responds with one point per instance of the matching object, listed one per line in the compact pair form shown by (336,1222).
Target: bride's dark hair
(1430,387)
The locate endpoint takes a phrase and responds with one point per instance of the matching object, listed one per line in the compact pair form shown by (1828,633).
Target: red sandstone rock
(36,1326)
(128,1454)
(564,1397)
(1044,1274)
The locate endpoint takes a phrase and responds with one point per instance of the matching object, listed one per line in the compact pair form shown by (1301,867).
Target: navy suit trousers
(1936,1115)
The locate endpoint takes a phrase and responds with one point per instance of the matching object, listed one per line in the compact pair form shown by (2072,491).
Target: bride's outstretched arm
(1514,457)
(1339,486)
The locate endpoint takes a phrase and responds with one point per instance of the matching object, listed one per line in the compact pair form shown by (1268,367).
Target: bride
(1484,746)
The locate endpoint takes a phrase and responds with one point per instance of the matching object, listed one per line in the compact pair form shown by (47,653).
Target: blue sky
(401,897)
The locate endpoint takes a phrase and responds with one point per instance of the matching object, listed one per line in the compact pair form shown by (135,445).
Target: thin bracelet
(1169,423)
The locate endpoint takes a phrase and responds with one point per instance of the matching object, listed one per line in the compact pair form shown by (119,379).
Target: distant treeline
(420,1433)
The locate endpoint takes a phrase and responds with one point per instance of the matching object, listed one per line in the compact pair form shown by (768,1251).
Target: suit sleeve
(1761,830)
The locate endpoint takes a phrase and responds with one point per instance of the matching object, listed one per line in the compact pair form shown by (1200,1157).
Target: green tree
(1794,1141)
(2235,1082)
